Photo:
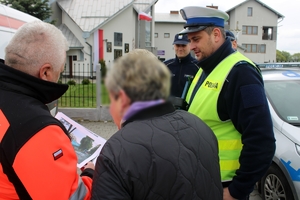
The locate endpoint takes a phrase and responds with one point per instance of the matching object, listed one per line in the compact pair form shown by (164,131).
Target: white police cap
(198,18)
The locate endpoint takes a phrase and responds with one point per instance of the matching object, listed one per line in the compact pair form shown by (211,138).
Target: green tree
(279,57)
(296,57)
(37,8)
(287,56)
(283,56)
(103,69)
(85,143)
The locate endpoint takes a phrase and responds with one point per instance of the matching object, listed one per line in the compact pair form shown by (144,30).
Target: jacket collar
(20,82)
(184,59)
(151,112)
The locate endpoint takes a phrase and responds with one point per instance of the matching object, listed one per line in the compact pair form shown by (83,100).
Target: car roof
(291,73)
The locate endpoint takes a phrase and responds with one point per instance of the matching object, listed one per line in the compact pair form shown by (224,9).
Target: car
(11,20)
(282,87)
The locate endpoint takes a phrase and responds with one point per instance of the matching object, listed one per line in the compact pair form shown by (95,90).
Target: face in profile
(119,103)
(114,109)
(202,44)
(234,44)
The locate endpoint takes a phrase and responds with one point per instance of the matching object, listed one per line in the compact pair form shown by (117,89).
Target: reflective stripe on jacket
(204,105)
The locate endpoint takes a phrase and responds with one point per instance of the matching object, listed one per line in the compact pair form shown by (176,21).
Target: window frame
(249,11)
(250,30)
(253,48)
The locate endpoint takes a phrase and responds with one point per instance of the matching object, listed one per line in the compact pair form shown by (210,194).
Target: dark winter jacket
(159,153)
(181,69)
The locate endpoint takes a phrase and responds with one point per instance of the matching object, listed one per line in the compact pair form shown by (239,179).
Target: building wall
(84,60)
(124,23)
(166,44)
(261,17)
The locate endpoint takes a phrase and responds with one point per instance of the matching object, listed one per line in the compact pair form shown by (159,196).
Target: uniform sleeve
(47,166)
(107,181)
(248,109)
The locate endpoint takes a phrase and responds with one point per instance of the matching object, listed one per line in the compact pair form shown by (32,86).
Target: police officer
(183,66)
(228,94)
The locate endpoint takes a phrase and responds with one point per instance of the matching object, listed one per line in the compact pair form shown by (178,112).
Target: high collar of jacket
(151,112)
(17,81)
(184,59)
(213,60)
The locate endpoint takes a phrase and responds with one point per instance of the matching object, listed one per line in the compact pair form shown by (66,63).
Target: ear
(45,72)
(217,34)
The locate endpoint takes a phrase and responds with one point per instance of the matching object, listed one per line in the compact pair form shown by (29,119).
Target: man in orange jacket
(37,159)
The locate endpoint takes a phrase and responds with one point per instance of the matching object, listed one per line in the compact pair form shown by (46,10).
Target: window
(253,48)
(250,30)
(249,12)
(262,48)
(250,48)
(118,37)
(166,35)
(74,58)
(156,35)
(117,53)
(268,33)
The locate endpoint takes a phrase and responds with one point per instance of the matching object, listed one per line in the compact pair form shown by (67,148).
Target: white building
(103,29)
(107,29)
(255,25)
(167,25)
(253,22)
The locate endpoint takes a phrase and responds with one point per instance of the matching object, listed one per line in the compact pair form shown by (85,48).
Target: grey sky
(288,29)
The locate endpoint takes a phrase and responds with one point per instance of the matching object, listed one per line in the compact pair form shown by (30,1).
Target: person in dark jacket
(232,38)
(37,159)
(183,66)
(158,152)
(228,94)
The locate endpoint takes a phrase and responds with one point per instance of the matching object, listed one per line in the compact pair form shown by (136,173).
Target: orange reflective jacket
(45,166)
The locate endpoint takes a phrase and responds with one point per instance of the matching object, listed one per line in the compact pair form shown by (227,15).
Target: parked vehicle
(10,20)
(282,86)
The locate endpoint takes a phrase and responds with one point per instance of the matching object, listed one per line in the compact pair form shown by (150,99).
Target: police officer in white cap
(228,94)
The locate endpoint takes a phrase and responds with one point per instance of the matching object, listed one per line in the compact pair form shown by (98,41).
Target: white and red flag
(144,16)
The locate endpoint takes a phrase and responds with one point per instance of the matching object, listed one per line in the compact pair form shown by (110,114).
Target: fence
(86,89)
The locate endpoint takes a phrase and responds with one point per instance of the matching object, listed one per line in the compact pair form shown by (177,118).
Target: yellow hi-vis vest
(204,105)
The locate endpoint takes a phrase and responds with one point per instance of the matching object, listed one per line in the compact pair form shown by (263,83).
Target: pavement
(107,128)
(103,128)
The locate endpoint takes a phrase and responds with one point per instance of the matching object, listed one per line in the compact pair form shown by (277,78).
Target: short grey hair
(141,75)
(35,44)
(210,29)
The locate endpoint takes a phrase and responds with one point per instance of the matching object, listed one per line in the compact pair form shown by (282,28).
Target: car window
(284,96)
